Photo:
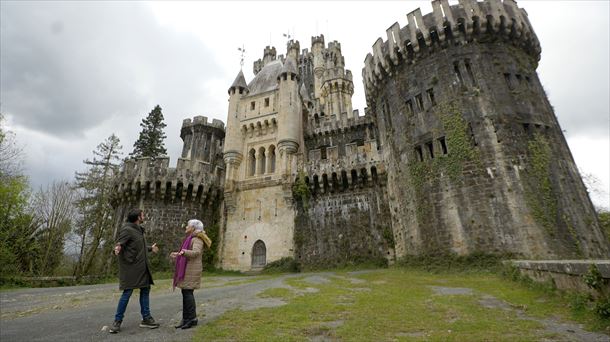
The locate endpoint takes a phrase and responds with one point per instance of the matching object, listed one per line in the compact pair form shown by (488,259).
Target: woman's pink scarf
(181,262)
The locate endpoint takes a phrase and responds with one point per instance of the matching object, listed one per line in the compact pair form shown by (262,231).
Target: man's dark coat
(134,267)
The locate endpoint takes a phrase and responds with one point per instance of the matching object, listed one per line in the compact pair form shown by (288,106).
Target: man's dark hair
(133,215)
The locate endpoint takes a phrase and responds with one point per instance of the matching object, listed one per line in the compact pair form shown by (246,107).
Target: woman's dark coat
(134,267)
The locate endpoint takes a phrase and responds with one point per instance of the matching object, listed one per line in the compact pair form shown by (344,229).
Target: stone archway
(259,254)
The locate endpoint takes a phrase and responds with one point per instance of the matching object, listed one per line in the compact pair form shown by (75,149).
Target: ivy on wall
(460,152)
(539,194)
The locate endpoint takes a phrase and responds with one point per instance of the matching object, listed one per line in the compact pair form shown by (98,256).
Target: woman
(188,270)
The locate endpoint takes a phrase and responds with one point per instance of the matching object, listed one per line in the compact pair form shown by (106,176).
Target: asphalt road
(84,313)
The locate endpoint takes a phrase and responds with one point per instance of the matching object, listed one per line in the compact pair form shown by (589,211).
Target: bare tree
(11,154)
(54,215)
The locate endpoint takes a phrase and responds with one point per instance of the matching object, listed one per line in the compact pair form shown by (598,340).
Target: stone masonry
(459,151)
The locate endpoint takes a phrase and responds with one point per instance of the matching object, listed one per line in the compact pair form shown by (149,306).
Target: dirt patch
(449,291)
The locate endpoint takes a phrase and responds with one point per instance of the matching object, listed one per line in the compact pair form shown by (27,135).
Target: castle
(458,151)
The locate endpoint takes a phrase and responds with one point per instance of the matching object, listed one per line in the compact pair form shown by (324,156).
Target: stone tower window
(409,104)
(323,152)
(251,162)
(261,161)
(430,93)
(271,159)
(456,70)
(443,144)
(469,71)
(267,102)
(420,102)
(252,105)
(430,148)
(419,153)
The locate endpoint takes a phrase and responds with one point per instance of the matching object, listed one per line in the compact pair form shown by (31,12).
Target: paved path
(83,313)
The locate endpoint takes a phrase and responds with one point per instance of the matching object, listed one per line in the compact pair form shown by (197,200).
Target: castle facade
(459,151)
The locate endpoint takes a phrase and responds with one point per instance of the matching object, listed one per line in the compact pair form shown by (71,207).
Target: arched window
(271,159)
(316,183)
(354,177)
(374,174)
(344,180)
(364,175)
(261,161)
(325,182)
(259,254)
(251,162)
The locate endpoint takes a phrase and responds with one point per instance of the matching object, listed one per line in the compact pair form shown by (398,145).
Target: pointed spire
(239,83)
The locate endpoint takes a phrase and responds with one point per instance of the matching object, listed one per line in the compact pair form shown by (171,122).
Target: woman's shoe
(190,324)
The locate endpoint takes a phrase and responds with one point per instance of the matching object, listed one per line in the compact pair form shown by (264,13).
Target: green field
(406,304)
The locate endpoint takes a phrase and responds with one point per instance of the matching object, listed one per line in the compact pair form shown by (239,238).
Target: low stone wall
(566,274)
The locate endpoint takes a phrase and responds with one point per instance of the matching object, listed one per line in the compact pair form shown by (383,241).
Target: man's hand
(117,249)
(154,248)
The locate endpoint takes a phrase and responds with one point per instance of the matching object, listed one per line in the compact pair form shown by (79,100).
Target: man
(134,269)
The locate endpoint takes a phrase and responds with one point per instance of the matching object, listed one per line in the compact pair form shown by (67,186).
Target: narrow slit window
(420,102)
(469,71)
(430,93)
(443,144)
(409,104)
(430,148)
(419,153)
(456,70)
(323,152)
(252,105)
(267,102)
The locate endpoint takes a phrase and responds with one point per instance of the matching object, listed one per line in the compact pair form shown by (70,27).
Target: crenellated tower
(475,157)
(172,195)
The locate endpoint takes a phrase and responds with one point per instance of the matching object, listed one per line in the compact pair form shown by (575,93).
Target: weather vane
(288,36)
(242,49)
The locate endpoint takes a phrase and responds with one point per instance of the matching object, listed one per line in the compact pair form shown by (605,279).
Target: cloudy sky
(73,72)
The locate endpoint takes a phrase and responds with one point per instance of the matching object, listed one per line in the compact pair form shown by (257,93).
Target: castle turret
(290,110)
(317,45)
(233,142)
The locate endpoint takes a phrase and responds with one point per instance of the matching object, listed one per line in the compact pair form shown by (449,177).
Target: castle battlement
(190,179)
(326,171)
(203,121)
(463,23)
(330,124)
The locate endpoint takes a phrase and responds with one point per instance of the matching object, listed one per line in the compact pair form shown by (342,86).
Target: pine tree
(96,222)
(150,142)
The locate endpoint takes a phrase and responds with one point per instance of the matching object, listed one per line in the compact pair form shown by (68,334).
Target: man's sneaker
(116,327)
(149,322)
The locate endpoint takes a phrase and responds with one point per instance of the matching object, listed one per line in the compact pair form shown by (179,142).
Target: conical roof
(289,66)
(240,81)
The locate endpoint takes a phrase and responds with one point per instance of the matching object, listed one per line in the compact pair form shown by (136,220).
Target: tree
(150,142)
(54,216)
(16,242)
(11,155)
(94,227)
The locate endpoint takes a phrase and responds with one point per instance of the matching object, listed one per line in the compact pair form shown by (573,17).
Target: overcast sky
(72,73)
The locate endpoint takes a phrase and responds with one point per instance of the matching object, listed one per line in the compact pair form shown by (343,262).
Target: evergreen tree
(150,142)
(94,228)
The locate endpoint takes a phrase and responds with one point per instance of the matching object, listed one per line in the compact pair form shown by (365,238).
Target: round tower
(317,47)
(233,141)
(290,109)
(475,155)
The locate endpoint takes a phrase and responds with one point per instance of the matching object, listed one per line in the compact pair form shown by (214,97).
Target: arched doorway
(259,254)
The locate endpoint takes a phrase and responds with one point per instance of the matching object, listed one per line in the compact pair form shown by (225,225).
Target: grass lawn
(400,304)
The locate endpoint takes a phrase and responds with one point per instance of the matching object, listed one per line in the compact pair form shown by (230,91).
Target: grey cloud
(67,67)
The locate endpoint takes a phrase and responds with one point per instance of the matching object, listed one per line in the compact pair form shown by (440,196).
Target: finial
(242,49)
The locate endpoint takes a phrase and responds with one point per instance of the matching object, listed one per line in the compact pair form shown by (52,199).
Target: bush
(288,265)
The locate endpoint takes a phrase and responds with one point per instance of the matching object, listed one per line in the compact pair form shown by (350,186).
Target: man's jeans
(144,303)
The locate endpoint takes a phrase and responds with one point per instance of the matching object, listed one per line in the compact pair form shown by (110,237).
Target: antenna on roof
(241,49)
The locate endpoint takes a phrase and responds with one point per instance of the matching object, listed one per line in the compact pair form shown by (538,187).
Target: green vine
(540,196)
(593,278)
(460,153)
(300,190)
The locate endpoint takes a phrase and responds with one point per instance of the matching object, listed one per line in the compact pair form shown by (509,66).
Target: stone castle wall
(475,157)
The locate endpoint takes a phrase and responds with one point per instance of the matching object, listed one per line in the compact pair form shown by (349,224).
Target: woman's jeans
(189,308)
(144,303)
